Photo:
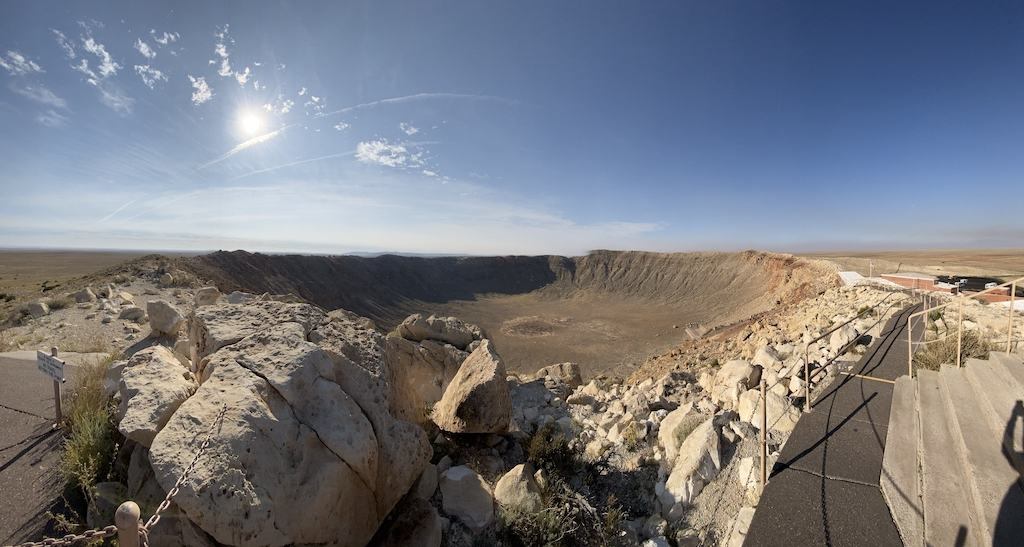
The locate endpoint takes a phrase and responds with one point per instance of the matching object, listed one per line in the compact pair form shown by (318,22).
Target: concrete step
(1013,364)
(991,474)
(900,481)
(999,390)
(945,486)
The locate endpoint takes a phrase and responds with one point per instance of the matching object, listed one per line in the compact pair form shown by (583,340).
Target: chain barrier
(144,529)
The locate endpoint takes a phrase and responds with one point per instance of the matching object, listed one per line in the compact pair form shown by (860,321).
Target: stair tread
(944,483)
(991,474)
(1011,363)
(899,479)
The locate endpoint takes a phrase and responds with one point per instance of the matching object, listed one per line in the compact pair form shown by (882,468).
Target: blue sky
(514,127)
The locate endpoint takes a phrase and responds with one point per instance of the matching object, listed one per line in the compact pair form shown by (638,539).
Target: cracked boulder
(308,451)
(477,400)
(153,384)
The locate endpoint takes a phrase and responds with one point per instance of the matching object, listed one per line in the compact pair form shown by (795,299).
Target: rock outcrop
(153,385)
(307,451)
(164,318)
(443,329)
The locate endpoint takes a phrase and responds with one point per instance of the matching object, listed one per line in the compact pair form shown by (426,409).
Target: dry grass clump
(566,518)
(59,303)
(93,343)
(548,449)
(91,441)
(943,351)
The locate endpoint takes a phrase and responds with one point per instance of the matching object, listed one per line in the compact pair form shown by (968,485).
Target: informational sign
(50,365)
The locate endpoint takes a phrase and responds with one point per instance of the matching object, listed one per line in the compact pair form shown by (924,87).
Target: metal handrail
(807,346)
(959,301)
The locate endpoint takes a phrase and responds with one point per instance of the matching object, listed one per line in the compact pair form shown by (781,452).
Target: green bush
(549,449)
(59,303)
(92,437)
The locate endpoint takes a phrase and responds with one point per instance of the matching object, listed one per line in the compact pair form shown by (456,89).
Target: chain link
(71,539)
(181,480)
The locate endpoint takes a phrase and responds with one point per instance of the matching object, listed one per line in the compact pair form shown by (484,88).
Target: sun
(250,123)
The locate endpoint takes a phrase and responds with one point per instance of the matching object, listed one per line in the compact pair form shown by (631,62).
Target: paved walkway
(824,488)
(30,482)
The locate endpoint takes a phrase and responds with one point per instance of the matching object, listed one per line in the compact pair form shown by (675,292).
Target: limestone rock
(38,309)
(164,318)
(466,496)
(698,462)
(518,489)
(153,385)
(733,378)
(166,279)
(740,527)
(85,295)
(414,523)
(449,330)
(239,297)
(477,400)
(842,338)
(206,296)
(568,373)
(132,313)
(782,416)
(421,372)
(767,358)
(307,451)
(674,428)
(426,485)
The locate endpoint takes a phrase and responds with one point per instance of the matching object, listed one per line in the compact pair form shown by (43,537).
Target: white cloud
(242,77)
(381,152)
(108,67)
(144,49)
(302,91)
(17,65)
(164,38)
(40,94)
(281,106)
(110,94)
(316,104)
(429,173)
(51,118)
(64,43)
(201,90)
(220,49)
(150,76)
(341,126)
(408,129)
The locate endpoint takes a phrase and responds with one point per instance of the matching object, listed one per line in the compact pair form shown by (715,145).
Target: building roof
(910,275)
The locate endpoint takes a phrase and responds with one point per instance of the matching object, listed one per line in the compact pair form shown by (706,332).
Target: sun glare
(250,123)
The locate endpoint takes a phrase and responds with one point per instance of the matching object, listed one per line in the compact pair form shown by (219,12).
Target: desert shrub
(633,435)
(935,315)
(59,303)
(944,351)
(20,315)
(549,449)
(865,311)
(565,518)
(91,441)
(94,342)
(614,516)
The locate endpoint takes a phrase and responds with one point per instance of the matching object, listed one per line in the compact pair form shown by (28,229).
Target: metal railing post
(910,348)
(1009,316)
(764,434)
(807,380)
(127,521)
(959,329)
(56,395)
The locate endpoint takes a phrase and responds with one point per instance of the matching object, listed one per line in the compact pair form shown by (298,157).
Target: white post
(56,395)
(127,521)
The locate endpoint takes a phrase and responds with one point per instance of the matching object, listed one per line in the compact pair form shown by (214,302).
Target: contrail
(116,211)
(290,164)
(243,145)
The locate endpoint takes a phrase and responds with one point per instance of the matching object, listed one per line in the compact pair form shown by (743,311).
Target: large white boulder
(307,451)
(38,309)
(674,428)
(206,296)
(698,462)
(449,330)
(768,358)
(421,372)
(477,399)
(466,496)
(164,318)
(841,338)
(85,295)
(152,386)
(518,489)
(781,415)
(732,379)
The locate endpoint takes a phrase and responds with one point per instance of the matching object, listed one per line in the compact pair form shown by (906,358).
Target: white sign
(50,365)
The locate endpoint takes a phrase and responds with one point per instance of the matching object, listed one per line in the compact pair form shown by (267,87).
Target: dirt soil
(1000,263)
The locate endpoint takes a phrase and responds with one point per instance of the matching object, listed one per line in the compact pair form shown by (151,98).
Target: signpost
(53,367)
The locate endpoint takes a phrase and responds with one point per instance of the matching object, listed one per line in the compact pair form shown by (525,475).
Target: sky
(526,127)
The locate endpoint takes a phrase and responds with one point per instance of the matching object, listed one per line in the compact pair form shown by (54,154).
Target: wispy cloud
(165,37)
(408,128)
(107,66)
(242,146)
(201,91)
(144,49)
(64,43)
(220,49)
(341,126)
(17,65)
(281,106)
(150,76)
(419,97)
(51,118)
(39,94)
